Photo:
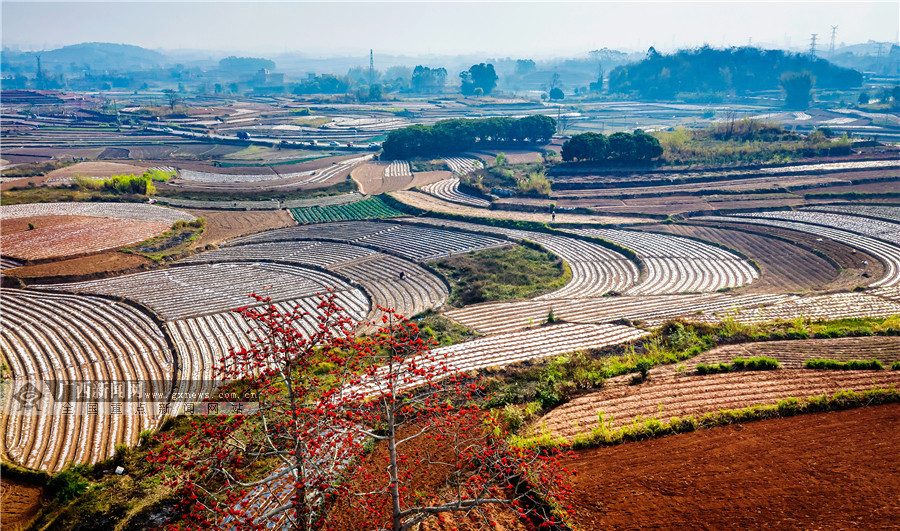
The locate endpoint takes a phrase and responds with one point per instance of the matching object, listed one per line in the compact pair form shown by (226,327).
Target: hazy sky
(494,29)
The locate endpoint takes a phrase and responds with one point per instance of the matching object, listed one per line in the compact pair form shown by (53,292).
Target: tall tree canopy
(426,79)
(708,70)
(456,135)
(478,76)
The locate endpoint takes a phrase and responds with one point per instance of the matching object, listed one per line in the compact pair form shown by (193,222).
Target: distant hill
(734,70)
(98,55)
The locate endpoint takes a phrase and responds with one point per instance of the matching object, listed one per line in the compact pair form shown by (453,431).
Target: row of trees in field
(456,135)
(352,432)
(617,147)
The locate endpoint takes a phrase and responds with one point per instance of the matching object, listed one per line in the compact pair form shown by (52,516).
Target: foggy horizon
(488,29)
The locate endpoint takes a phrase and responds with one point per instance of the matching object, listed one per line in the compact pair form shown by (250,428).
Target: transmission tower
(879,48)
(39,77)
(833,33)
(812,45)
(371,67)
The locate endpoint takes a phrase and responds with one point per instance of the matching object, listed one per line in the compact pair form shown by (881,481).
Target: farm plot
(818,308)
(463,165)
(678,265)
(820,471)
(794,354)
(64,340)
(785,267)
(505,349)
(429,202)
(8,263)
(132,211)
(79,235)
(621,402)
(369,208)
(869,227)
(398,168)
(378,274)
(497,317)
(595,270)
(887,253)
(418,243)
(448,190)
(201,342)
(885,213)
(199,289)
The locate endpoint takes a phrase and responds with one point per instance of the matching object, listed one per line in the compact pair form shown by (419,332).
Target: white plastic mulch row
(398,168)
(448,190)
(676,265)
(198,289)
(888,253)
(72,339)
(133,211)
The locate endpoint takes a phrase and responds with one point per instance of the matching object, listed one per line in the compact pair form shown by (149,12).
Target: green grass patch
(852,365)
(514,272)
(442,330)
(429,165)
(171,243)
(369,208)
(313,121)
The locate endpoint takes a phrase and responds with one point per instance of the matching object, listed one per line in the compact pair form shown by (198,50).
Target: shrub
(535,183)
(852,365)
(755,364)
(513,418)
(895,366)
(67,485)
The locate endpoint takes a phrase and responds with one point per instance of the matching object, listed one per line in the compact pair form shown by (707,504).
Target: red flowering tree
(328,398)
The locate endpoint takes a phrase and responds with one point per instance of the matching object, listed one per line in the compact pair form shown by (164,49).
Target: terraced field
(678,265)
(378,274)
(61,340)
(448,190)
(201,289)
(785,267)
(793,354)
(505,349)
(201,342)
(887,253)
(463,165)
(817,308)
(130,211)
(621,402)
(497,317)
(79,236)
(417,243)
(887,213)
(369,208)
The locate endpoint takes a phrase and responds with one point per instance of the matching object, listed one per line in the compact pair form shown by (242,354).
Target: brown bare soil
(853,272)
(836,470)
(785,267)
(523,156)
(665,396)
(93,169)
(373,181)
(15,225)
(91,265)
(428,202)
(21,501)
(793,354)
(224,225)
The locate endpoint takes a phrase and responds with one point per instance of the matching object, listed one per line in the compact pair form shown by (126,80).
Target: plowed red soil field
(93,265)
(73,235)
(20,501)
(838,470)
(223,225)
